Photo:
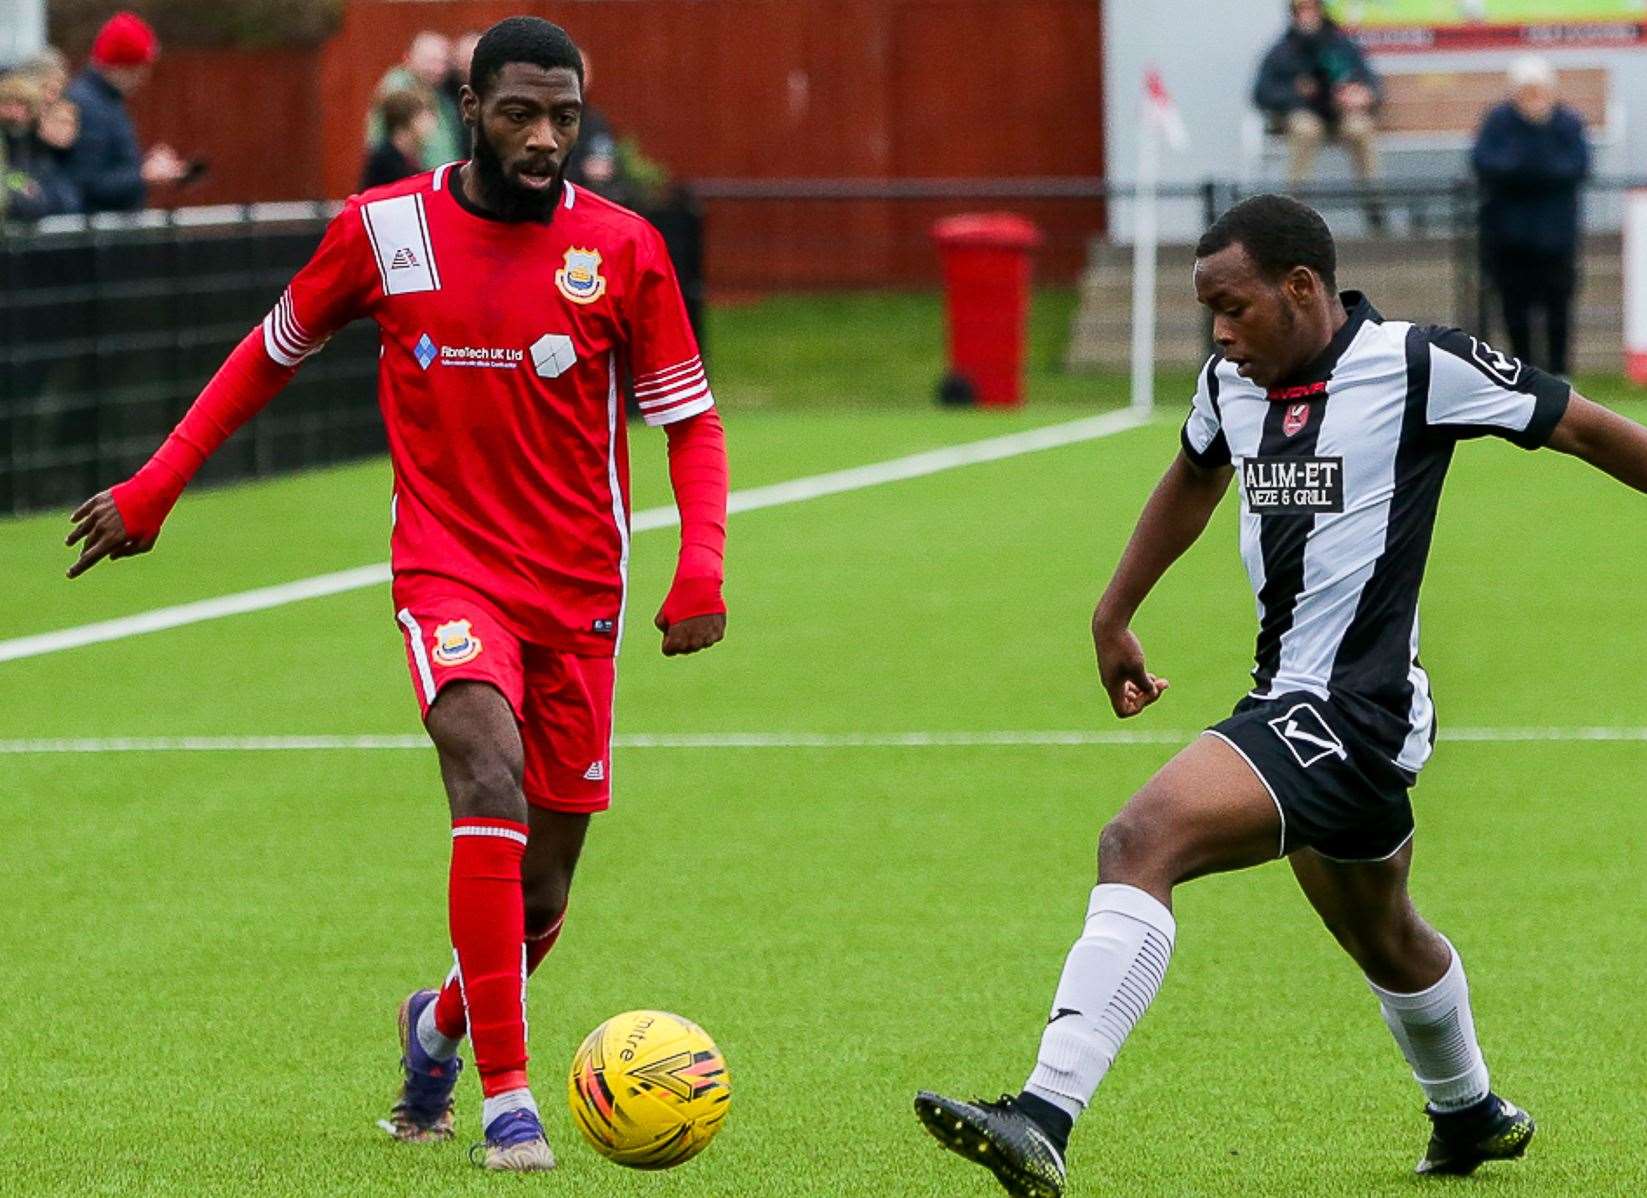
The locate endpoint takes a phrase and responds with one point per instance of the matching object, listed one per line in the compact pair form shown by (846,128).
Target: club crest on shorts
(1298,415)
(1308,735)
(455,644)
(579,278)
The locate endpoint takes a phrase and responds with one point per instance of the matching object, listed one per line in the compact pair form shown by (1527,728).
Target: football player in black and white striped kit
(1338,427)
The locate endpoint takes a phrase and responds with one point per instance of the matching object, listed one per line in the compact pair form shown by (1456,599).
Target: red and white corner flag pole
(1635,285)
(1161,119)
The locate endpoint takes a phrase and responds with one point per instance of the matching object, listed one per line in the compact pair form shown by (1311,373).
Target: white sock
(1437,1036)
(1110,977)
(440,1047)
(502,1104)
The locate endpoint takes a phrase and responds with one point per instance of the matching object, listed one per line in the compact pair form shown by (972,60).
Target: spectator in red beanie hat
(126,40)
(112,173)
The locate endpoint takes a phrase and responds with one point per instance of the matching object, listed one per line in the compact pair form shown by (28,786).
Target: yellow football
(649,1089)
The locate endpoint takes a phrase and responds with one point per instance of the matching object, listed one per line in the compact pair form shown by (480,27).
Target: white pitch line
(192,613)
(796,490)
(1076,738)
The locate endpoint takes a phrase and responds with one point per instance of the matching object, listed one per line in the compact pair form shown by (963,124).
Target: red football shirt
(503,347)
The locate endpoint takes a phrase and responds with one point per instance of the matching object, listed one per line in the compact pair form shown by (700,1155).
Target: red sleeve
(697,471)
(670,383)
(333,288)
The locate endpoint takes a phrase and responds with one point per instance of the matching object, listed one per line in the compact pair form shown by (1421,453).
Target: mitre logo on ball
(580,279)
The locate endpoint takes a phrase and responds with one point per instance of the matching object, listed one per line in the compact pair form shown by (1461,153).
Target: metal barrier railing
(109,326)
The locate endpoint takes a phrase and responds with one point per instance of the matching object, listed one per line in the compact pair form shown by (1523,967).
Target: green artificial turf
(872,350)
(203,951)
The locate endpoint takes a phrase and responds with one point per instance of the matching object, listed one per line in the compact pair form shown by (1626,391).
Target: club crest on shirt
(1297,416)
(455,644)
(579,278)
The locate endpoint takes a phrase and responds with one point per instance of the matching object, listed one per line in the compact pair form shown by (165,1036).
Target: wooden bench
(1430,112)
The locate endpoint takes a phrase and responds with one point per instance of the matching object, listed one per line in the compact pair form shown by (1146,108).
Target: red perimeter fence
(714,89)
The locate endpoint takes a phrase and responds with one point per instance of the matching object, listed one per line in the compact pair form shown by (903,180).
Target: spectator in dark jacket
(32,181)
(112,174)
(1315,85)
(1532,156)
(409,121)
(426,66)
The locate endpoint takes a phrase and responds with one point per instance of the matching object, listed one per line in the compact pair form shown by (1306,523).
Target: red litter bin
(986,260)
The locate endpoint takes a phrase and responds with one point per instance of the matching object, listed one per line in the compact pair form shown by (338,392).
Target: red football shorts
(562,701)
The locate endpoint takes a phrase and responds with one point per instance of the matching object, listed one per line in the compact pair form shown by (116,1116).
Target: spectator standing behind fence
(113,175)
(457,70)
(1532,156)
(609,166)
(593,160)
(425,67)
(409,121)
(1315,85)
(58,131)
(50,71)
(33,183)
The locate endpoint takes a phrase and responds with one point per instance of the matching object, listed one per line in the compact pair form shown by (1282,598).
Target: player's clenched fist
(692,634)
(100,532)
(1130,687)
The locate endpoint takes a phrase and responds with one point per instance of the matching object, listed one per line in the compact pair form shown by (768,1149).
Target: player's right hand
(1130,686)
(101,532)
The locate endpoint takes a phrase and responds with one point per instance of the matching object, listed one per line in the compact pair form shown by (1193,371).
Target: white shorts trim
(1281,847)
(1367,860)
(420,655)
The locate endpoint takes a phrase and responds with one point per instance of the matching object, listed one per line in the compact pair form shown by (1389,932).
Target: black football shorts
(1337,794)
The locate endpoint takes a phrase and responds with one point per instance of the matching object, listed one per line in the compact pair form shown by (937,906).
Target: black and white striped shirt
(1340,472)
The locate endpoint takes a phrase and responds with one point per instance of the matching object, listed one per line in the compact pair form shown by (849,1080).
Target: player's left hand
(692,634)
(101,533)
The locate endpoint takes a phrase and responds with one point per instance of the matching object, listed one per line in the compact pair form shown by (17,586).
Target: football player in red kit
(510,304)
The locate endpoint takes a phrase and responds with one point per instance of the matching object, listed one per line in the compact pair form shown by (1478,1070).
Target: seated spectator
(106,164)
(32,181)
(1316,85)
(1532,156)
(408,124)
(425,68)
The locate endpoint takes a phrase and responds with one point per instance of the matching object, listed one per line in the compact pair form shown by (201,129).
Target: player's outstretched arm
(693,615)
(1172,520)
(332,289)
(126,519)
(1605,439)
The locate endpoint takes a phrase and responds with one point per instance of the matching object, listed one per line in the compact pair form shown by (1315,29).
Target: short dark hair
(522,39)
(1278,233)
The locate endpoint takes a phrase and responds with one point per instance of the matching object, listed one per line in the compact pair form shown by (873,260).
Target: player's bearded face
(522,133)
(505,193)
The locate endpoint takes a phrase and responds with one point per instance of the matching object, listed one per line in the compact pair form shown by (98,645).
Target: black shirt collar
(455,184)
(1320,368)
